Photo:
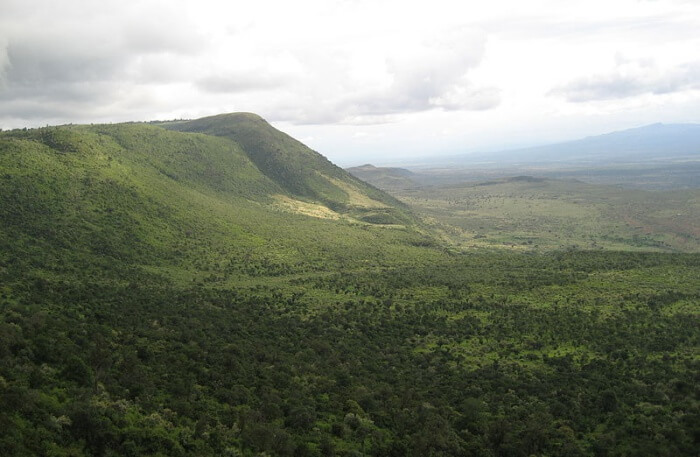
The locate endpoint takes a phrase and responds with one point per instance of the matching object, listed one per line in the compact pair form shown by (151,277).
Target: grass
(171,200)
(551,214)
(298,170)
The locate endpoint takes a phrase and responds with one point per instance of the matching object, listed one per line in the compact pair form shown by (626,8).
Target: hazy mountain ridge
(385,177)
(653,157)
(655,141)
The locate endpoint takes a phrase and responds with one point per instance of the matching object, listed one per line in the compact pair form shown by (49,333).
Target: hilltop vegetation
(143,194)
(299,170)
(193,290)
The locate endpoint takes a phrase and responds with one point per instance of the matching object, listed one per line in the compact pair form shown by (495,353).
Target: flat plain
(537,213)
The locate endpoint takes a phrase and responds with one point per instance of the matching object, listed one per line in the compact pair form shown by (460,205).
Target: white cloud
(382,77)
(434,74)
(253,73)
(311,67)
(631,78)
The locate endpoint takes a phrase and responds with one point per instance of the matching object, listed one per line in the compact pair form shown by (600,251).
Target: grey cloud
(604,87)
(436,77)
(262,71)
(39,63)
(63,94)
(4,64)
(433,75)
(28,109)
(55,110)
(161,68)
(74,58)
(50,70)
(457,97)
(169,34)
(625,83)
(239,82)
(50,79)
(306,115)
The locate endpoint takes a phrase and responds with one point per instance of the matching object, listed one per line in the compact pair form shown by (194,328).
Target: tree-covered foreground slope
(178,293)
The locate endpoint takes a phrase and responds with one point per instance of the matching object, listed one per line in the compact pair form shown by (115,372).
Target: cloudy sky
(377,80)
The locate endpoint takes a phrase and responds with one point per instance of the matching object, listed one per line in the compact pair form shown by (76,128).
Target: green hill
(136,193)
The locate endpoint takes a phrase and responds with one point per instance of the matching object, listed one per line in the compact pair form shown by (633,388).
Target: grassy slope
(178,202)
(299,170)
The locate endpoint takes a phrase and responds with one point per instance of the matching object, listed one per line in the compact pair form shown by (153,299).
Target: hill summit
(298,170)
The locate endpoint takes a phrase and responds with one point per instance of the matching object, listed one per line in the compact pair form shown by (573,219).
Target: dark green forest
(156,299)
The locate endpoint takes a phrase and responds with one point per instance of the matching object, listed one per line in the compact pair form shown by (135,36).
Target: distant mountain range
(658,156)
(648,143)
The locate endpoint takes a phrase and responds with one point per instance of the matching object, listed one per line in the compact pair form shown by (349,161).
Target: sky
(378,81)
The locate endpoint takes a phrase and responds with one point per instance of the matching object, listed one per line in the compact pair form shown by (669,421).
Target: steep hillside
(300,171)
(141,194)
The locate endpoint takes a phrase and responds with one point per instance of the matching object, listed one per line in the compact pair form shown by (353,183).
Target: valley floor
(527,213)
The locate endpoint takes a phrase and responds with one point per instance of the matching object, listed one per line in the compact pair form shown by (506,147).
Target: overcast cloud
(632,78)
(357,77)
